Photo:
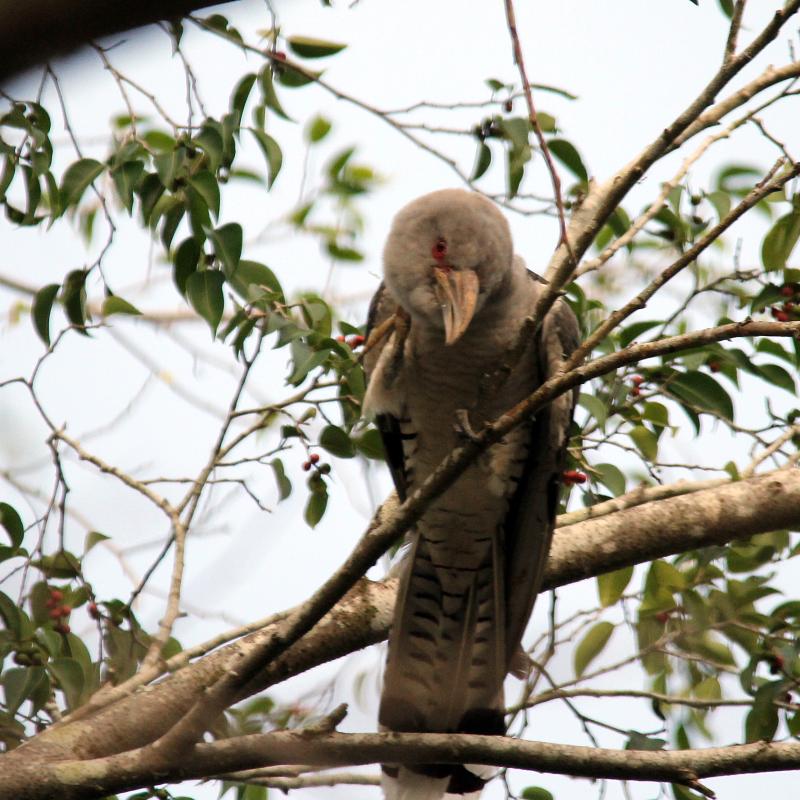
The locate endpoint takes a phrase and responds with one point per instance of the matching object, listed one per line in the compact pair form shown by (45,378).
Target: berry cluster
(637,381)
(353,342)
(313,461)
(790,308)
(572,476)
(59,612)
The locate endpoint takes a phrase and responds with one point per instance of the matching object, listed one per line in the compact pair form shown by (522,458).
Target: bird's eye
(439,250)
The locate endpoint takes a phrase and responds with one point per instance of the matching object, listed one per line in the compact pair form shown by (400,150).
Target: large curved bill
(457,291)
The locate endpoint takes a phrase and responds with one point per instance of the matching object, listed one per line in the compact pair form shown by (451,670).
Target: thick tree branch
(41,29)
(84,780)
(712,516)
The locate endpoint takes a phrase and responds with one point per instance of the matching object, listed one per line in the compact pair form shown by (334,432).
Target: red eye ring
(439,250)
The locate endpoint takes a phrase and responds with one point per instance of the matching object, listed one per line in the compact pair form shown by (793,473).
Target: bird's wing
(529,525)
(381,307)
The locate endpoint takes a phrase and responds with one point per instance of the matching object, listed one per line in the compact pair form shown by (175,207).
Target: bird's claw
(464,427)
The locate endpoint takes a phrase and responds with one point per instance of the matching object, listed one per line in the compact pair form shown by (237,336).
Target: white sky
(633,63)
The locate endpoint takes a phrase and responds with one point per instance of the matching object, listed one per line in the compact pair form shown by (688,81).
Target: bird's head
(447,253)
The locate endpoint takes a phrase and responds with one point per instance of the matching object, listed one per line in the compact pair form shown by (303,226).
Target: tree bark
(708,517)
(35,31)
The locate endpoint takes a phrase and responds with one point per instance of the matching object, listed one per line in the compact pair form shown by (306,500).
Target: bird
(450,346)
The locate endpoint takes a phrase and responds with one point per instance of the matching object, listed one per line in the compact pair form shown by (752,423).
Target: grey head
(448,253)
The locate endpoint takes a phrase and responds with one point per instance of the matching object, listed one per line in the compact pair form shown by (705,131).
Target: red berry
(340,338)
(788,305)
(572,476)
(313,458)
(65,611)
(57,595)
(62,627)
(781,316)
(787,291)
(55,613)
(279,55)
(714,366)
(306,466)
(662,616)
(50,603)
(356,341)
(635,392)
(637,380)
(508,105)
(94,611)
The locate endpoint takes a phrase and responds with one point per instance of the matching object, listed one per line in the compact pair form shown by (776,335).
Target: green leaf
(73,297)
(209,140)
(284,484)
(762,721)
(611,585)
(611,476)
(241,93)
(778,376)
(70,677)
(204,292)
(591,645)
(116,305)
(535,793)
(318,129)
(227,241)
(205,184)
(251,278)
(634,331)
(41,308)
(186,259)
(272,153)
(703,392)
(93,538)
(483,160)
(640,741)
(780,241)
(646,442)
(19,684)
(76,178)
(307,47)
(268,92)
(126,178)
(10,520)
(62,564)
(566,153)
(343,253)
(317,503)
(336,441)
(596,407)
(294,78)
(370,444)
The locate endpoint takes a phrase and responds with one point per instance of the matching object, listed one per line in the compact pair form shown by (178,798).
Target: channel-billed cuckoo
(452,348)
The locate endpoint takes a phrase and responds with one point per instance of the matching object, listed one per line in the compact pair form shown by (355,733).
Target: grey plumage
(477,555)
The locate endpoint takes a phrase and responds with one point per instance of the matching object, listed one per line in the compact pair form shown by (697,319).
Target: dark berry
(635,392)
